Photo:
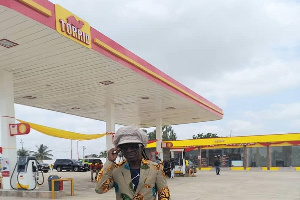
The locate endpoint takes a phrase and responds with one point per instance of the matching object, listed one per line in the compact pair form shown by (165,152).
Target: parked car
(44,167)
(69,165)
(89,160)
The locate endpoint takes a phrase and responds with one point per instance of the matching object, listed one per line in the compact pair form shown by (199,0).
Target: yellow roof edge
(234,140)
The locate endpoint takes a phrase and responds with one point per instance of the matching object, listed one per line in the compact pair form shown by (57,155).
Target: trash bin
(56,183)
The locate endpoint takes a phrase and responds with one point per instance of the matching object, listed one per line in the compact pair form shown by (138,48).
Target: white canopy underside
(65,76)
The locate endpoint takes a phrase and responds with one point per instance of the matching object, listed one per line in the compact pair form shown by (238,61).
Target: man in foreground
(135,178)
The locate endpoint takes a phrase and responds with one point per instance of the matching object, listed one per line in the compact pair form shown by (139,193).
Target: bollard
(61,185)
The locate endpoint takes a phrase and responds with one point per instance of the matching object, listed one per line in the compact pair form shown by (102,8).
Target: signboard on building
(72,27)
(19,129)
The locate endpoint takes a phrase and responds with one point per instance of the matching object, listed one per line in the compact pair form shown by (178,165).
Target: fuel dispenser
(27,173)
(179,158)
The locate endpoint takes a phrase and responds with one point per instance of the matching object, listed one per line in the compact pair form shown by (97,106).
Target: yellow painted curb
(237,168)
(271,168)
(297,168)
(240,168)
(206,168)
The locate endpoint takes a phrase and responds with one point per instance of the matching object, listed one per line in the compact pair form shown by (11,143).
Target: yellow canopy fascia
(234,140)
(238,140)
(62,133)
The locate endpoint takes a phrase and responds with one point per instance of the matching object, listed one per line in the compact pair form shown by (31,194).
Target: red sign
(19,129)
(5,174)
(166,144)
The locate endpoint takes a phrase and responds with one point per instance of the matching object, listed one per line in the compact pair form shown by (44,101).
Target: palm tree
(103,154)
(43,153)
(23,152)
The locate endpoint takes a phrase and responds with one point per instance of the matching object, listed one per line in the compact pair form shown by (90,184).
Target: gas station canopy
(60,63)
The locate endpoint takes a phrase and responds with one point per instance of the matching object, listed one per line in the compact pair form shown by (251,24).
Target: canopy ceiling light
(106,82)
(29,97)
(170,108)
(7,43)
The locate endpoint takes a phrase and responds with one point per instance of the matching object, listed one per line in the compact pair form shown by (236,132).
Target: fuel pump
(179,159)
(27,173)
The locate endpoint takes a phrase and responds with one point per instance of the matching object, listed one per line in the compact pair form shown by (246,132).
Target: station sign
(166,144)
(19,129)
(72,27)
(5,167)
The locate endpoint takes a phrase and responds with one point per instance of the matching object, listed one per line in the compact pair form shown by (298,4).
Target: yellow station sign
(72,27)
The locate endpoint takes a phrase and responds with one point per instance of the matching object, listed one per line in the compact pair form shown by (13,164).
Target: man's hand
(112,154)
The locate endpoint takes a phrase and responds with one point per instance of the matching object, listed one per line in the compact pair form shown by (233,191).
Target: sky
(243,56)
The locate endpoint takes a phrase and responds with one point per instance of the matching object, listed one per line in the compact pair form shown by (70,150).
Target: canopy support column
(268,156)
(159,137)
(245,161)
(110,124)
(7,113)
(199,157)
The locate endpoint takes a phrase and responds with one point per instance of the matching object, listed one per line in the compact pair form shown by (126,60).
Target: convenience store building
(266,152)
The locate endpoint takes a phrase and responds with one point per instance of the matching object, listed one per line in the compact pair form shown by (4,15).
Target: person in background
(93,170)
(157,159)
(187,165)
(136,177)
(98,167)
(217,165)
(172,162)
(167,168)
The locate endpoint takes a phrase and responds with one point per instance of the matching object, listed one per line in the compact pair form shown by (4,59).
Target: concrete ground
(230,185)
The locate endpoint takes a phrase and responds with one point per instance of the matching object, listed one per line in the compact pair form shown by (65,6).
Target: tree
(103,154)
(145,130)
(23,152)
(207,135)
(42,153)
(167,134)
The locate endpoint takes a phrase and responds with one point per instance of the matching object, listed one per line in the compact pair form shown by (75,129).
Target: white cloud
(253,81)
(242,128)
(278,112)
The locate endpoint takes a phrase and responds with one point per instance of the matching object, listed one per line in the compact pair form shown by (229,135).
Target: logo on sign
(72,28)
(19,129)
(219,141)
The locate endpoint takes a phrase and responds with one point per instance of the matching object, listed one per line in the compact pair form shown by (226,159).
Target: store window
(228,156)
(234,157)
(257,157)
(281,156)
(295,156)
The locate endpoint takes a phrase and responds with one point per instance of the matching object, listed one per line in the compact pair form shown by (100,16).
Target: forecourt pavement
(230,185)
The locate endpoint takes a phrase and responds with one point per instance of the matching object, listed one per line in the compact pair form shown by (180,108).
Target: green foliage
(42,153)
(207,135)
(152,135)
(167,135)
(23,152)
(103,154)
(145,130)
